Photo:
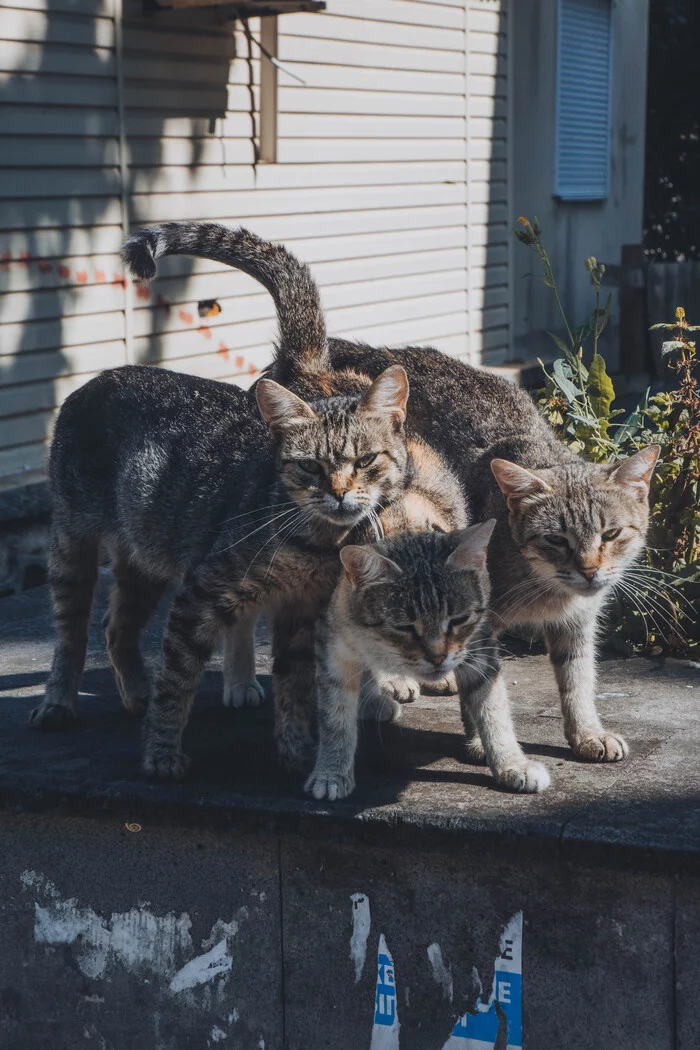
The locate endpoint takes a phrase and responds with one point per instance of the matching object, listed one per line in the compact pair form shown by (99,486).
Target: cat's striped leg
(133,598)
(485,705)
(571,648)
(192,631)
(339,678)
(294,682)
(72,577)
(241,687)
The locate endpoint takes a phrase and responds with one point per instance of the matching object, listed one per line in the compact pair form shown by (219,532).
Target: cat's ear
(279,407)
(517,483)
(634,473)
(364,566)
(471,552)
(388,393)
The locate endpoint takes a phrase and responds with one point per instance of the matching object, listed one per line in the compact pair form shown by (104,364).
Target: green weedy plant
(655,606)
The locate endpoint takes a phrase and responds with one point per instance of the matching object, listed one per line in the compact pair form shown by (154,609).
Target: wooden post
(268,91)
(634,340)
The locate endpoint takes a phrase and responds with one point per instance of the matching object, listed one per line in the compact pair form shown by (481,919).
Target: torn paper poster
(501,1014)
(360,932)
(385,1032)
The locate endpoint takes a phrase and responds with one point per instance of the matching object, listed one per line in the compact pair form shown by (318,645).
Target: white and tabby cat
(415,605)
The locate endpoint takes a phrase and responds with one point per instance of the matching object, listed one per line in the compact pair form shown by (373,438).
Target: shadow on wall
(62,288)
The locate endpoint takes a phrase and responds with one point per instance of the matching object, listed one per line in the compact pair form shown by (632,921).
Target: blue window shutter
(583,100)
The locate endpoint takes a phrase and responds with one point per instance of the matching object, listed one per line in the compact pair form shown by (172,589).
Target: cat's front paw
(333,786)
(401,689)
(247,693)
(525,777)
(52,716)
(446,686)
(599,747)
(166,765)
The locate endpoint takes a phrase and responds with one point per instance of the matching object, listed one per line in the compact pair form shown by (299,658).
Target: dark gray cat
(184,481)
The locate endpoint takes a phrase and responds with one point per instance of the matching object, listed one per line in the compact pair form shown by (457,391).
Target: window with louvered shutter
(583,100)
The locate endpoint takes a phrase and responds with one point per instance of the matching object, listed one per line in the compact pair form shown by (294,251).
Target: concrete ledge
(411,775)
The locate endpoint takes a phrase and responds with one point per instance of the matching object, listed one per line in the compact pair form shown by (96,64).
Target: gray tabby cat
(185,482)
(416,605)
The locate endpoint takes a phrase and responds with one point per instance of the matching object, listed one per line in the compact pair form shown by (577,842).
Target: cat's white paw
(380,708)
(401,689)
(600,747)
(446,686)
(525,777)
(248,693)
(333,786)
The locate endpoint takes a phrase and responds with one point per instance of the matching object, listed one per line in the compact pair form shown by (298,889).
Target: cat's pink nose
(437,658)
(589,573)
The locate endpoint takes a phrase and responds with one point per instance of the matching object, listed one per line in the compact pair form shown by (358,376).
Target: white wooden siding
(391,183)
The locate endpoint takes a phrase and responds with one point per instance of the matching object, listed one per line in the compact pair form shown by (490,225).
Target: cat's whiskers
(671,616)
(662,585)
(376,524)
(285,524)
(526,596)
(619,586)
(653,610)
(270,521)
(295,527)
(258,510)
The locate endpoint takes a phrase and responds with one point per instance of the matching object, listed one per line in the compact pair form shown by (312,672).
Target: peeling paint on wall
(361,922)
(501,1014)
(136,939)
(385,1031)
(215,963)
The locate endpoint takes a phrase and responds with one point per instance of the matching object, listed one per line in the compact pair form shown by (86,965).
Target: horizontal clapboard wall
(391,182)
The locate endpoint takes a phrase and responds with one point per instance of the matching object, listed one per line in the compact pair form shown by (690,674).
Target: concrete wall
(572,231)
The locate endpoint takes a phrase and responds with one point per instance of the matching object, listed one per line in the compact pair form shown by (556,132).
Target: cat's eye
(310,466)
(611,534)
(556,539)
(407,628)
(459,621)
(365,461)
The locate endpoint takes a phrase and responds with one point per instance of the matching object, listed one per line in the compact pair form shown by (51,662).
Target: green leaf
(654,327)
(600,389)
(563,381)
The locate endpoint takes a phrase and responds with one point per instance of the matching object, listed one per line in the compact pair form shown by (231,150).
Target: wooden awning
(249,8)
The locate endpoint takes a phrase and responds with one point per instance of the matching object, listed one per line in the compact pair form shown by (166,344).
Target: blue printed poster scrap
(477,1031)
(385,1031)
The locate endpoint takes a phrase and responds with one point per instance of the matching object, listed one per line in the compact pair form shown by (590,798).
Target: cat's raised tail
(302,329)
